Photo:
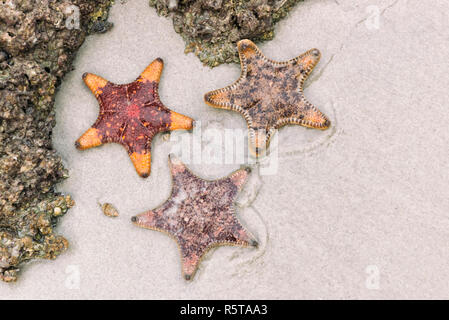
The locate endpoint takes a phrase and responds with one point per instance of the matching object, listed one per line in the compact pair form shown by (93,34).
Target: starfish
(199,214)
(131,115)
(269,94)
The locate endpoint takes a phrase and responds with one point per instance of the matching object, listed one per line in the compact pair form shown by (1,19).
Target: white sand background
(357,211)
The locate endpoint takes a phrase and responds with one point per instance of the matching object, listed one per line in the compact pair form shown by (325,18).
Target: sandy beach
(358,211)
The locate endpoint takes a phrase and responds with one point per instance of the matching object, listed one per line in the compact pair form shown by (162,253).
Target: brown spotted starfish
(269,94)
(199,214)
(131,114)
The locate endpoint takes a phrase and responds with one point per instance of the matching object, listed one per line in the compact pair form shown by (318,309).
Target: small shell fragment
(109,210)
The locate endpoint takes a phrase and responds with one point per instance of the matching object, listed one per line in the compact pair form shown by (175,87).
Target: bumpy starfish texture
(269,94)
(131,114)
(199,214)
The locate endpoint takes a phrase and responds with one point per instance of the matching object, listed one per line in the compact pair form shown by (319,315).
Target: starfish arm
(258,141)
(158,220)
(242,94)
(182,177)
(142,162)
(192,252)
(259,119)
(198,214)
(305,63)
(153,113)
(107,128)
(153,72)
(233,233)
(102,131)
(305,114)
(233,97)
(89,139)
(137,140)
(94,83)
(144,91)
(250,55)
(175,164)
(238,178)
(162,119)
(227,228)
(180,122)
(108,94)
(226,231)
(153,220)
(190,261)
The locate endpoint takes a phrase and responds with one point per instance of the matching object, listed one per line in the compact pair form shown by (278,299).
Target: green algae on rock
(211,28)
(37,47)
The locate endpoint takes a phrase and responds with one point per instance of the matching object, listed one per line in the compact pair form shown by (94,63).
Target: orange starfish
(269,94)
(199,214)
(131,114)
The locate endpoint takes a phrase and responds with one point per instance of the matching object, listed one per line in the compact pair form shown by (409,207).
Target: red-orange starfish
(131,114)
(199,214)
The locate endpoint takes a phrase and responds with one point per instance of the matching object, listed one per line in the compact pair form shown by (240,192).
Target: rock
(38,48)
(211,28)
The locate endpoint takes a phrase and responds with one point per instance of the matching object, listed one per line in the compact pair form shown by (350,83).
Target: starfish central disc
(133,111)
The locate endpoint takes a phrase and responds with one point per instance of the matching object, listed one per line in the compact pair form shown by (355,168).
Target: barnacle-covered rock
(211,28)
(38,40)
